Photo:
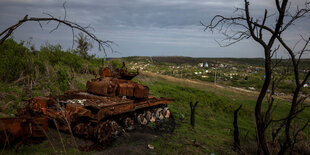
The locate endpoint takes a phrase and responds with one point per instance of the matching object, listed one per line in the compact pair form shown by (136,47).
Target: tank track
(109,128)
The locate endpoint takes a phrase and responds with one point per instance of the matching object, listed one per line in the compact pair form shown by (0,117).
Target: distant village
(237,75)
(201,69)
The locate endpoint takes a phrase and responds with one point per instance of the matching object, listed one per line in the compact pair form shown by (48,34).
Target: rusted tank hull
(110,105)
(92,116)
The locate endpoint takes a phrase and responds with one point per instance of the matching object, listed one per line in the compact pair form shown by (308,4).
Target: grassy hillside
(213,132)
(26,72)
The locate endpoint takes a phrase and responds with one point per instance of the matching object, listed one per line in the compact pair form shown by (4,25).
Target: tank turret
(117,85)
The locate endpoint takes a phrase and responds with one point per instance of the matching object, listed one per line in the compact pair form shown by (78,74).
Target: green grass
(213,130)
(42,148)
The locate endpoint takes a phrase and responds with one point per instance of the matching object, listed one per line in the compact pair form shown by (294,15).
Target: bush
(62,78)
(51,68)
(116,64)
(14,60)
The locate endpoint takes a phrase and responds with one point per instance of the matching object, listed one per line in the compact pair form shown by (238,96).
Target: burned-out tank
(111,104)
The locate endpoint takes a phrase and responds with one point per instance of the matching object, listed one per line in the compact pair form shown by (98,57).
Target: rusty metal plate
(20,129)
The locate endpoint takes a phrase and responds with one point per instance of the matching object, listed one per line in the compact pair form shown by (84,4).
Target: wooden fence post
(236,129)
(193,107)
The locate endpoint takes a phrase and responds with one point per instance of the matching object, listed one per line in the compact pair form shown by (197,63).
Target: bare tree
(102,45)
(268,34)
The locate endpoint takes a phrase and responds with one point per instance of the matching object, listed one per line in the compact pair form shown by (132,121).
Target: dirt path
(210,85)
(196,82)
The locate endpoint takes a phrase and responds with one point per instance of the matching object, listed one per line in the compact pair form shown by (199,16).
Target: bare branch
(74,26)
(40,25)
(298,14)
(261,28)
(292,55)
(305,79)
(274,51)
(72,37)
(292,116)
(279,23)
(249,22)
(277,131)
(278,5)
(298,131)
(303,49)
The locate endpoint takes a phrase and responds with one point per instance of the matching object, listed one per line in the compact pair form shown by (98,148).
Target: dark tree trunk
(193,107)
(260,124)
(288,141)
(236,130)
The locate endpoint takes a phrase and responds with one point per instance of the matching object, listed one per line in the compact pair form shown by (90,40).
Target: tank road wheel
(166,112)
(83,129)
(78,129)
(159,113)
(142,119)
(114,128)
(103,132)
(150,116)
(129,123)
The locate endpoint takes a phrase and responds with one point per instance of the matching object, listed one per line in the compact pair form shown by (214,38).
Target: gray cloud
(141,27)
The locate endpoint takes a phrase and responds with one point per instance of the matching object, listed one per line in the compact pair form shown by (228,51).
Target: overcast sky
(143,27)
